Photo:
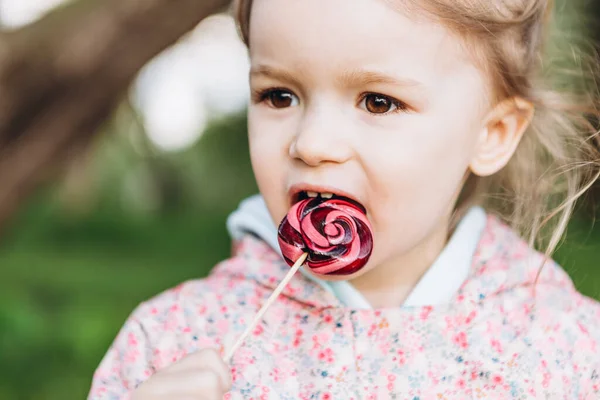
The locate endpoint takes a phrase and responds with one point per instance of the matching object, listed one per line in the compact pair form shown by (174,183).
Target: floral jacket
(503,336)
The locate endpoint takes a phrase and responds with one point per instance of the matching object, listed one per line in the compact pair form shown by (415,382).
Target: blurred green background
(126,222)
(81,255)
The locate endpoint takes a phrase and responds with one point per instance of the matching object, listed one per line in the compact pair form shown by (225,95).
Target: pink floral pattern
(501,338)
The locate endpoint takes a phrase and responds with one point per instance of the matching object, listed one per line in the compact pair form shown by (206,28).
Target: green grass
(580,256)
(67,285)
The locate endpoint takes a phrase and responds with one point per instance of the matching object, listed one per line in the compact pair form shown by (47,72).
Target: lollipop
(333,236)
(335,233)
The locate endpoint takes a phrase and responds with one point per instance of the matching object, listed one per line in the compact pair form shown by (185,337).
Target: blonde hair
(558,158)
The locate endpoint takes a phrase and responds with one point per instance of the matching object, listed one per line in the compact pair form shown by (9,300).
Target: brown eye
(379,104)
(281,99)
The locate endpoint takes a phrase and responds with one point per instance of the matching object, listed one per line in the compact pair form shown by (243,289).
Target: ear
(503,129)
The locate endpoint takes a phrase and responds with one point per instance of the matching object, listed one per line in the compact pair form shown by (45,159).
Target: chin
(338,278)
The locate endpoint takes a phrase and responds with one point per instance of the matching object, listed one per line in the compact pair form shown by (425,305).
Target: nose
(321,139)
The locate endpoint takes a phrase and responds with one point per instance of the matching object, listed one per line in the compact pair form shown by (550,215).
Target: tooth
(326,195)
(312,194)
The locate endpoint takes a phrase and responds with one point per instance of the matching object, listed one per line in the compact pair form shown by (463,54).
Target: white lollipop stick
(264,308)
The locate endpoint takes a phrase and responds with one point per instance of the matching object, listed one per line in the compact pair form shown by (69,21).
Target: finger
(211,359)
(192,360)
(205,359)
(207,384)
(191,384)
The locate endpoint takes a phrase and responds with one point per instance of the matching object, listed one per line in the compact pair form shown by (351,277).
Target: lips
(303,192)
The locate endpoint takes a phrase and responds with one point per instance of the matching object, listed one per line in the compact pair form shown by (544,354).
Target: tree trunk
(61,77)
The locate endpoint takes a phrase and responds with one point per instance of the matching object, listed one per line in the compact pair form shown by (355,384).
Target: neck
(390,283)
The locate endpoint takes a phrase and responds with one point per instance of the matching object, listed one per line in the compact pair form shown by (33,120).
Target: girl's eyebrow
(348,78)
(362,77)
(274,73)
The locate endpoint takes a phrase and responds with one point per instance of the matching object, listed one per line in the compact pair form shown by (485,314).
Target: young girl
(434,116)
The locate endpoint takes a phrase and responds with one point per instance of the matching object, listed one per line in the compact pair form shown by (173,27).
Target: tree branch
(61,77)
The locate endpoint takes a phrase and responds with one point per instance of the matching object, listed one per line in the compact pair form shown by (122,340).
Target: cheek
(414,176)
(265,145)
(422,155)
(268,154)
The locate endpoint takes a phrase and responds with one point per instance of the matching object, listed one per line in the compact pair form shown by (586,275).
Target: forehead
(323,35)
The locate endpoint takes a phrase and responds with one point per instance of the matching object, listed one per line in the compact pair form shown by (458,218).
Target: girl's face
(363,101)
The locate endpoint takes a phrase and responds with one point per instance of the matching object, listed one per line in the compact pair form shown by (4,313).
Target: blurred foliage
(70,278)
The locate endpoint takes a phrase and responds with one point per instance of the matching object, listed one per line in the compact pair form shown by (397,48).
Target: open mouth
(325,196)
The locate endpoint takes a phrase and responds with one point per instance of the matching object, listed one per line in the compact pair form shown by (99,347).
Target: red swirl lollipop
(335,233)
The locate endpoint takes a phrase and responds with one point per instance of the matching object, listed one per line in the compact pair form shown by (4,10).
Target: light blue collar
(441,281)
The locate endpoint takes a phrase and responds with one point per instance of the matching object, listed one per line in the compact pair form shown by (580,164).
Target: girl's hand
(199,376)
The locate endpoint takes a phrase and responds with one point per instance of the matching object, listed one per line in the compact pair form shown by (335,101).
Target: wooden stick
(264,308)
